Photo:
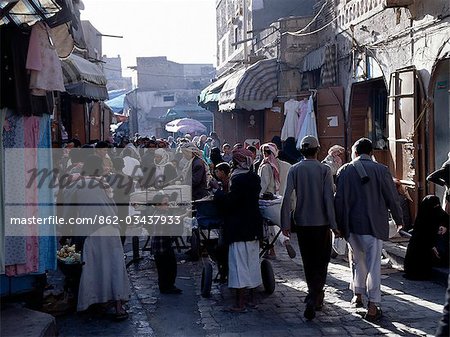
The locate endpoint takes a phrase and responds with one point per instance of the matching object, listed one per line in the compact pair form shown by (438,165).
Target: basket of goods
(69,262)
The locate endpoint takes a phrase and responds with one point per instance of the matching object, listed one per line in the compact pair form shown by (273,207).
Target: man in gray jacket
(314,217)
(365,192)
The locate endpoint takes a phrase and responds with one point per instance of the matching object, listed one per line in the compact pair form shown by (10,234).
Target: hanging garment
(303,110)
(31,138)
(43,61)
(291,109)
(21,192)
(15,246)
(309,127)
(47,232)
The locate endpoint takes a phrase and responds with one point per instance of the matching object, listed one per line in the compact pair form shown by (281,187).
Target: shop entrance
(440,125)
(368,117)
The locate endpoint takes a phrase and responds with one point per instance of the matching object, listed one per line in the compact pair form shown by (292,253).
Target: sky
(182,30)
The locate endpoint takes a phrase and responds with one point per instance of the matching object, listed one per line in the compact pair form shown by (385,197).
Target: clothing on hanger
(309,127)
(291,110)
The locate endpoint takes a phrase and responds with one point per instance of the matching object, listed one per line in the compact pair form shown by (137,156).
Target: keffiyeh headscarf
(192,148)
(165,158)
(272,161)
(333,160)
(242,158)
(335,151)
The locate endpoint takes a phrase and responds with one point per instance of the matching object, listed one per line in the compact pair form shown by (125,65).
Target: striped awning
(252,88)
(211,93)
(83,78)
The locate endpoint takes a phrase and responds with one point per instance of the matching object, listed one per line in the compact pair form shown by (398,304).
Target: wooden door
(78,119)
(404,124)
(331,123)
(273,122)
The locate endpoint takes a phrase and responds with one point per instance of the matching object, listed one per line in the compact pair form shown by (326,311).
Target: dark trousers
(166,265)
(315,248)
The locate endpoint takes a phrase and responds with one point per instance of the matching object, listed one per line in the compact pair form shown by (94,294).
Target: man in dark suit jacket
(365,192)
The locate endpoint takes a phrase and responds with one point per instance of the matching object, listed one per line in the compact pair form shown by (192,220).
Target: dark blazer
(199,188)
(362,207)
(240,206)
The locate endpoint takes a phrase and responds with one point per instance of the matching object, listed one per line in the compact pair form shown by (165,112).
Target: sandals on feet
(374,318)
(357,302)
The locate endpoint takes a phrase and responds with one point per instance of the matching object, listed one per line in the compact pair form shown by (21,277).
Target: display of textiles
(26,145)
(13,137)
(47,232)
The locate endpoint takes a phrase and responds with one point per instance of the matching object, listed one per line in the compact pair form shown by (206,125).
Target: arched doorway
(439,121)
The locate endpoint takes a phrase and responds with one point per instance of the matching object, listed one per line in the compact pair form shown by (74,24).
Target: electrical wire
(311,22)
(301,30)
(313,32)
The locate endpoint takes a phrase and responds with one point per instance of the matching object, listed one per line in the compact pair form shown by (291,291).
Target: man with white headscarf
(195,170)
(273,171)
(165,172)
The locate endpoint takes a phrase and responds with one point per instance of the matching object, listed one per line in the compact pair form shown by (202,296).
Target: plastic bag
(339,245)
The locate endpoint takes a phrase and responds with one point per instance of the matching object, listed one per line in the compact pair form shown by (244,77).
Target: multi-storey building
(375,68)
(112,68)
(165,85)
(240,22)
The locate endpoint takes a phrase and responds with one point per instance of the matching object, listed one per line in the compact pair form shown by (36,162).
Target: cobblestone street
(410,308)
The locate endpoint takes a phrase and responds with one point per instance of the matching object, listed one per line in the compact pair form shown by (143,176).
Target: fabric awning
(116,104)
(211,92)
(83,78)
(252,88)
(27,11)
(314,60)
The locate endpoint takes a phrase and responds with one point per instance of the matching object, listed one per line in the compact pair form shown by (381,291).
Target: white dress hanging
(291,110)
(309,127)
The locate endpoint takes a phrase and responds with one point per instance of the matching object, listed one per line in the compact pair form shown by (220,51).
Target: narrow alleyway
(410,308)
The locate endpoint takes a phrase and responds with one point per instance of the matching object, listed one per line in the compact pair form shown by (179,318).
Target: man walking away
(365,192)
(314,216)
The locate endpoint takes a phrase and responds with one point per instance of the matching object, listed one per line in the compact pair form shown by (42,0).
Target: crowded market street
(411,308)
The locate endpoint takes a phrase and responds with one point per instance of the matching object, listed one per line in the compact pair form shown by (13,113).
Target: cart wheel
(267,276)
(207,276)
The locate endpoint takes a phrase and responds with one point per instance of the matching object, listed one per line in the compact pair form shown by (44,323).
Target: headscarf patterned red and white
(242,158)
(272,161)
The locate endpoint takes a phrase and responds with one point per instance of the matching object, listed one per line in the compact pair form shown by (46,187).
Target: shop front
(83,113)
(244,101)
